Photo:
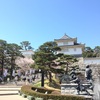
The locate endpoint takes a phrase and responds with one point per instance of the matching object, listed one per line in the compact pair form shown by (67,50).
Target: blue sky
(39,21)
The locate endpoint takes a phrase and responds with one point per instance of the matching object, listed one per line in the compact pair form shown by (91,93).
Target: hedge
(40,92)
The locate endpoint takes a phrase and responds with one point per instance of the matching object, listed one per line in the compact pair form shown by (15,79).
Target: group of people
(18,75)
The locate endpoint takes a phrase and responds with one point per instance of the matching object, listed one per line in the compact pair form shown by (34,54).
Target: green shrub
(40,93)
(38,98)
(41,89)
(24,95)
(30,97)
(56,92)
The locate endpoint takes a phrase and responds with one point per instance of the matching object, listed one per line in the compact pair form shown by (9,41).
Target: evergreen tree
(13,50)
(26,45)
(97,51)
(3,54)
(66,61)
(44,58)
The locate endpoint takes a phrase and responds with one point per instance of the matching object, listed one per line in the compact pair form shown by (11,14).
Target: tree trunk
(50,76)
(11,71)
(42,78)
(47,75)
(2,65)
(12,67)
(11,75)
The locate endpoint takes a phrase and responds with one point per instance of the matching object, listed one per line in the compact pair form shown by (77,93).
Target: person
(16,79)
(33,77)
(23,77)
(13,73)
(5,73)
(88,73)
(19,73)
(1,79)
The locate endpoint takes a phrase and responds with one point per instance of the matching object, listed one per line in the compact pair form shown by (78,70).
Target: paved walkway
(12,97)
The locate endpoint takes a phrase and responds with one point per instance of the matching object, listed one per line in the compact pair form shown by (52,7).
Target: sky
(40,21)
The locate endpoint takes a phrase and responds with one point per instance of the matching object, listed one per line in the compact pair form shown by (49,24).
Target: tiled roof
(66,37)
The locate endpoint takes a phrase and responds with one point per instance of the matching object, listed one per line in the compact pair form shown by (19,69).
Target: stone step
(9,89)
(8,93)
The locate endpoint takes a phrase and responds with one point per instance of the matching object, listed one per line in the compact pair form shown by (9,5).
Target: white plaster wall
(60,43)
(71,43)
(65,43)
(71,51)
(28,53)
(91,61)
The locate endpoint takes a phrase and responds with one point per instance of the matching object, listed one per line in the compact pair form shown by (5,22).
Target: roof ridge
(66,37)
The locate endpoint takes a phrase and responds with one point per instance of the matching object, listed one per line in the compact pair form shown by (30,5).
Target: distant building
(28,53)
(70,46)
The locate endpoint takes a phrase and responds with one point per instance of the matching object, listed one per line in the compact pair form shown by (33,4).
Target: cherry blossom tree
(24,63)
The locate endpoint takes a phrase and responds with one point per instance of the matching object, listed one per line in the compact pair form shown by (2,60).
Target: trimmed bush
(30,97)
(56,92)
(41,89)
(40,93)
(24,95)
(38,98)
